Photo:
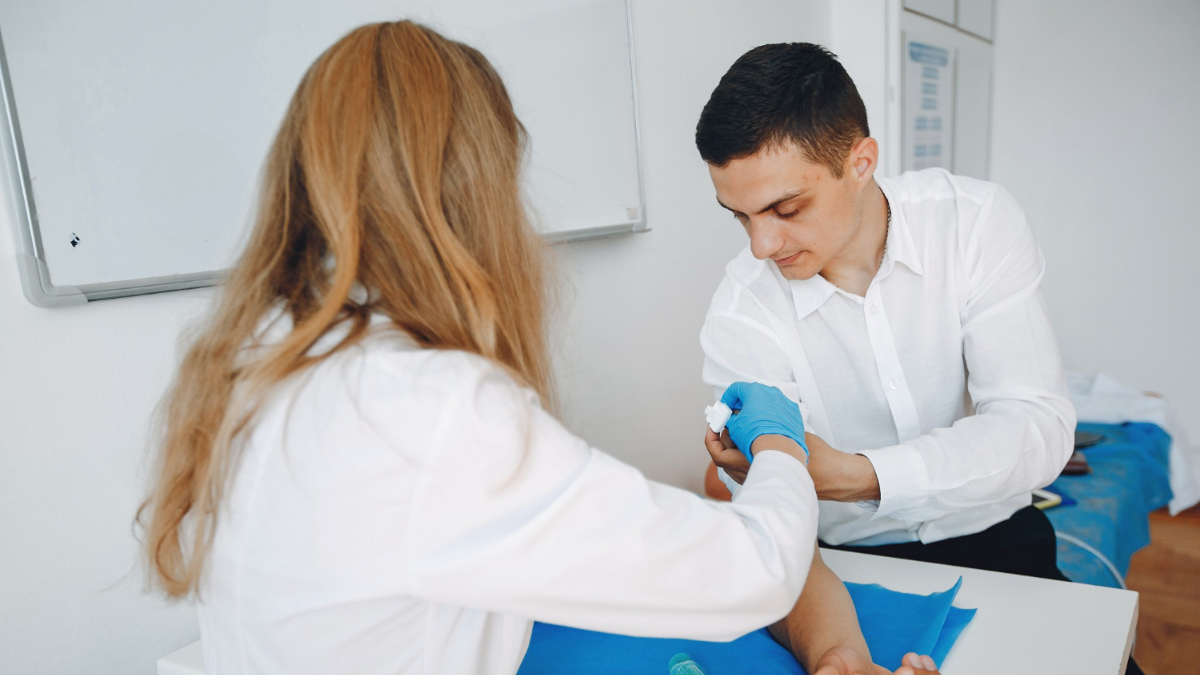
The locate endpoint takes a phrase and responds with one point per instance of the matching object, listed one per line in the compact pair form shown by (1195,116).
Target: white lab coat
(404,510)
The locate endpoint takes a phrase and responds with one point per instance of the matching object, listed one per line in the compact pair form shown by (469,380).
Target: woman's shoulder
(392,353)
(392,363)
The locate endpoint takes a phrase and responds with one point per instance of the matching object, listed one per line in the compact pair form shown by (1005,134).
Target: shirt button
(894,384)
(874,309)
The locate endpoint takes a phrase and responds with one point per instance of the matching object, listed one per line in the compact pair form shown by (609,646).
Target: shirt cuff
(903,481)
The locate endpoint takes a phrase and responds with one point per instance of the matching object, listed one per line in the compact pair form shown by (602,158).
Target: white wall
(1096,133)
(632,358)
(863,34)
(76,389)
(78,384)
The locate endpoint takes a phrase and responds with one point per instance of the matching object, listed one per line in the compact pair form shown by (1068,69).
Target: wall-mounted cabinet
(946,97)
(942,10)
(924,70)
(973,16)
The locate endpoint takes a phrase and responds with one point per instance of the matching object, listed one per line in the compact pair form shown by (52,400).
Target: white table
(1023,624)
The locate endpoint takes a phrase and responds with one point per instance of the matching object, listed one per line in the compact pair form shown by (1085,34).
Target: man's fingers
(728,459)
(727,440)
(716,444)
(725,454)
(712,442)
(915,664)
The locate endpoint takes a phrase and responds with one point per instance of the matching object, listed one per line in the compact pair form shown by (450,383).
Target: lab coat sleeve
(513,513)
(1023,431)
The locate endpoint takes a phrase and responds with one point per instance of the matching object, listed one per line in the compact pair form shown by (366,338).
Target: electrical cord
(1090,549)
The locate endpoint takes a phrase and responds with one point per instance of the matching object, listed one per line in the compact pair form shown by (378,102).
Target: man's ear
(863,158)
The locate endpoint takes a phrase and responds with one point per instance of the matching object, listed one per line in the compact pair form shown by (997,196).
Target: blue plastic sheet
(1129,479)
(893,624)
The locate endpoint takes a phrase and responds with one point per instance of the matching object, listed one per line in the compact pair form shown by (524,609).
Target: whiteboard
(136,129)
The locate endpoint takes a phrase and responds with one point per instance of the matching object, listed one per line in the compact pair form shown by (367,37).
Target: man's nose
(765,238)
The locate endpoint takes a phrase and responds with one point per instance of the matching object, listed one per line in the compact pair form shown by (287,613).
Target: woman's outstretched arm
(822,629)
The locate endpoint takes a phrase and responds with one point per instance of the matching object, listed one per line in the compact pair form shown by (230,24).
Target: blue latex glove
(763,410)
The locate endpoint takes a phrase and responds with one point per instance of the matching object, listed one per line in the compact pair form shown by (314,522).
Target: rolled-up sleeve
(741,348)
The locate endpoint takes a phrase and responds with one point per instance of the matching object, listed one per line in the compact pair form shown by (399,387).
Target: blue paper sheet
(897,623)
(1129,479)
(893,624)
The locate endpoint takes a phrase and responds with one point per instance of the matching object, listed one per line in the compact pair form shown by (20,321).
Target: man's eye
(789,215)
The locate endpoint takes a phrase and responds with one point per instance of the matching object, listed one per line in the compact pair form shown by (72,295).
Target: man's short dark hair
(777,93)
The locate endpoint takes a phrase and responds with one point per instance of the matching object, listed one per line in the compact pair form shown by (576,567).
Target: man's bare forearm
(822,619)
(840,476)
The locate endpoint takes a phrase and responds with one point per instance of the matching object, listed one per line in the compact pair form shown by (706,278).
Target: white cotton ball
(718,415)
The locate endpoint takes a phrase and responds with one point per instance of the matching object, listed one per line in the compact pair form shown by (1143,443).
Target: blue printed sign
(922,53)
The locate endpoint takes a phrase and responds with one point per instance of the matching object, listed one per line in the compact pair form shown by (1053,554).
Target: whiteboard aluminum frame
(639,224)
(31,256)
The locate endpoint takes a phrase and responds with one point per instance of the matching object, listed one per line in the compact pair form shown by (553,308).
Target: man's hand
(838,476)
(727,456)
(916,665)
(847,661)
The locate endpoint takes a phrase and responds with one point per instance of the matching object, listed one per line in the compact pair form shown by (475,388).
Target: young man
(904,313)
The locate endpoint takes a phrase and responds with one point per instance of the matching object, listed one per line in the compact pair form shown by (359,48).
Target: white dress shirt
(946,376)
(406,510)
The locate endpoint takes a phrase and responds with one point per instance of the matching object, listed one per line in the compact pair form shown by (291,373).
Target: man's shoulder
(939,204)
(935,185)
(745,269)
(745,276)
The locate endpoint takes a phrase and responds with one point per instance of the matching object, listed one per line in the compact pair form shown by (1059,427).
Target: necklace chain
(886,231)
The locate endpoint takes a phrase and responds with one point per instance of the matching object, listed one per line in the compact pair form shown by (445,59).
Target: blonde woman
(357,473)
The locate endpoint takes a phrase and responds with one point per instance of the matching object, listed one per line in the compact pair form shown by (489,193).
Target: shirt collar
(900,247)
(809,294)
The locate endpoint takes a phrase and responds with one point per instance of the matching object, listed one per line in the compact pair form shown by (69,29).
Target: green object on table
(682,664)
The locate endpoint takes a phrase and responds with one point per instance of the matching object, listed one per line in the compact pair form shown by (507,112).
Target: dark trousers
(1024,544)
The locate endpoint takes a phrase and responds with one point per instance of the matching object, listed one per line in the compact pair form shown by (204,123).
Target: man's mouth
(788,260)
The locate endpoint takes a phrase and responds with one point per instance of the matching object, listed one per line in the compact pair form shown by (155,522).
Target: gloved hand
(760,409)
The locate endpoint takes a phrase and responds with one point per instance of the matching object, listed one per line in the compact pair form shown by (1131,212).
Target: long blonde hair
(397,168)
